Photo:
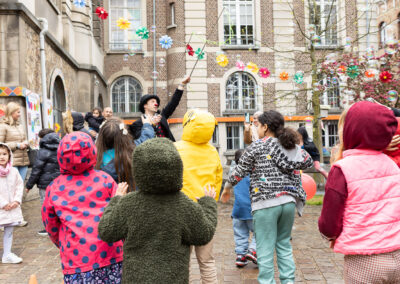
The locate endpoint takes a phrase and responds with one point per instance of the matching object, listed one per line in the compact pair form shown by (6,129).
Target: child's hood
(368,126)
(198,126)
(76,153)
(157,167)
(11,153)
(50,141)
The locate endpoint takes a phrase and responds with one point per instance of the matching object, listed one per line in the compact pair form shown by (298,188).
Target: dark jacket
(165,222)
(308,145)
(46,168)
(94,122)
(136,127)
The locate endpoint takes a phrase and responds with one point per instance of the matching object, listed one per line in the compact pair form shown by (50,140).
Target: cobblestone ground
(315,262)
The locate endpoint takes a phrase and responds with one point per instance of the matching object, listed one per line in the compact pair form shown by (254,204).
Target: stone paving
(315,262)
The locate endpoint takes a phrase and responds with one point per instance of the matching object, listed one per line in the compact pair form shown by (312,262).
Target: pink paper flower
(240,65)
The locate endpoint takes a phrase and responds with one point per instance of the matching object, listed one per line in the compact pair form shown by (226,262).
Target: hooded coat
(201,162)
(74,204)
(46,168)
(94,122)
(11,189)
(362,193)
(158,222)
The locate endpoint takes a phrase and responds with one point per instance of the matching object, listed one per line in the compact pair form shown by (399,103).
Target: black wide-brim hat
(145,98)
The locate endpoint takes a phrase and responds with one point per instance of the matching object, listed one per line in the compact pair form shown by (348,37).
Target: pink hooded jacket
(371,219)
(74,204)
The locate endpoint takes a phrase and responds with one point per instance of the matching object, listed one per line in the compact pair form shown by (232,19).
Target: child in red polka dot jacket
(71,212)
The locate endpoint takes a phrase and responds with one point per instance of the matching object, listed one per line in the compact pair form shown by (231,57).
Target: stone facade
(389,13)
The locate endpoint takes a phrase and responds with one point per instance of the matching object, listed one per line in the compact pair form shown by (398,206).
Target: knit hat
(157,167)
(144,99)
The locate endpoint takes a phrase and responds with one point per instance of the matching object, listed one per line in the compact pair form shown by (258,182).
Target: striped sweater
(274,172)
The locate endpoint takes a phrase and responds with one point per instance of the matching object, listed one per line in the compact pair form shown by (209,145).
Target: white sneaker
(23,223)
(11,258)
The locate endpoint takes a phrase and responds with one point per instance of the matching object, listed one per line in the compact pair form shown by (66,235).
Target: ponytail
(287,137)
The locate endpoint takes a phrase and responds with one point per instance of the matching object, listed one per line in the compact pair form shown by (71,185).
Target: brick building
(388,19)
(91,62)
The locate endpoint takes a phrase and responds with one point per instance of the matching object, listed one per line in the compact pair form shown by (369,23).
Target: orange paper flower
(284,76)
(342,69)
(123,24)
(369,73)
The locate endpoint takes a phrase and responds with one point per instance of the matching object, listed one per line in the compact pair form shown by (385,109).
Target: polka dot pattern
(73,207)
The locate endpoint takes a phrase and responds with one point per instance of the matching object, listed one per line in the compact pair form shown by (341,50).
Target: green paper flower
(143,33)
(353,71)
(298,78)
(200,54)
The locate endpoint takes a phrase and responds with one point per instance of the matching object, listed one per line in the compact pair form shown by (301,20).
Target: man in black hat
(149,106)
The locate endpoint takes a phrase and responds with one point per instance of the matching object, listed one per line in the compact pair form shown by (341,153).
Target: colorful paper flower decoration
(222,60)
(142,32)
(298,78)
(165,42)
(284,76)
(189,50)
(101,13)
(369,73)
(252,67)
(123,24)
(385,77)
(264,72)
(342,69)
(199,53)
(79,3)
(57,127)
(353,71)
(240,65)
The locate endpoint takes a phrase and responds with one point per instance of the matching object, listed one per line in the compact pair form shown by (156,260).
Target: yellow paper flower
(252,67)
(268,157)
(222,60)
(284,76)
(123,24)
(256,190)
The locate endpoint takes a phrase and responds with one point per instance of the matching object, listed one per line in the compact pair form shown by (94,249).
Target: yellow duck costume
(201,162)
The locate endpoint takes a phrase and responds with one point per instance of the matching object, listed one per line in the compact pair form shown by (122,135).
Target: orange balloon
(309,185)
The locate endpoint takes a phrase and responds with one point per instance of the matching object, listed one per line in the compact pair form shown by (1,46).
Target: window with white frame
(125,95)
(215,139)
(234,136)
(324,16)
(240,92)
(331,94)
(172,13)
(238,22)
(125,39)
(382,33)
(330,133)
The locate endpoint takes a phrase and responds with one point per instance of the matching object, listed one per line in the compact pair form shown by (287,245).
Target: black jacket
(136,127)
(94,122)
(46,168)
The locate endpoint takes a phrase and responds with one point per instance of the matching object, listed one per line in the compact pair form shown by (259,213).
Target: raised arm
(112,226)
(176,98)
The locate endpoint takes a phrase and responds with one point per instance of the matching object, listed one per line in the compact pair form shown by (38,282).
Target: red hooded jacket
(367,126)
(74,204)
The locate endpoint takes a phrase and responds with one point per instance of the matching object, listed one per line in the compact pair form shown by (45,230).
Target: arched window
(125,94)
(382,34)
(240,92)
(59,103)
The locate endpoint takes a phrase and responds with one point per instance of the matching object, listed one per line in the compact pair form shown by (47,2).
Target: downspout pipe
(42,34)
(154,50)
(367,21)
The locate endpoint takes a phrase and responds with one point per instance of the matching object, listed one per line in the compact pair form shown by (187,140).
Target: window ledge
(255,47)
(229,153)
(132,115)
(319,47)
(239,112)
(171,26)
(141,52)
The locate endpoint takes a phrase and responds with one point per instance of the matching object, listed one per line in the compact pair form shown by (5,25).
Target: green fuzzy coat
(158,222)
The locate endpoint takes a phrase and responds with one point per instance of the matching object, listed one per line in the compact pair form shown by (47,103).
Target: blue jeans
(273,228)
(22,171)
(241,233)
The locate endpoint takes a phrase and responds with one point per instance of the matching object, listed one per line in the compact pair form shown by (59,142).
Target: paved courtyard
(316,263)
